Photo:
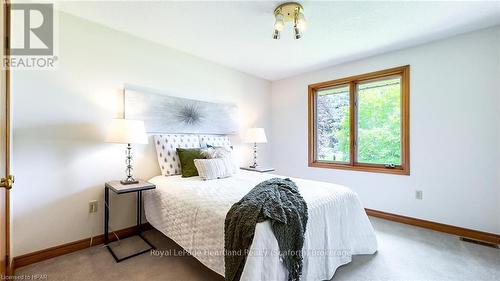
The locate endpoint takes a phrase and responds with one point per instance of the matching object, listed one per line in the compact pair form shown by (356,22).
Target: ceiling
(237,34)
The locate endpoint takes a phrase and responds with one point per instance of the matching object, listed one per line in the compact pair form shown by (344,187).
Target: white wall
(60,117)
(455,127)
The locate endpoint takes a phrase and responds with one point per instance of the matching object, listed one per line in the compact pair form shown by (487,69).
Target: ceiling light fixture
(289,12)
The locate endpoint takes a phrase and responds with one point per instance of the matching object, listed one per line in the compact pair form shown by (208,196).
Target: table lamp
(127,132)
(255,136)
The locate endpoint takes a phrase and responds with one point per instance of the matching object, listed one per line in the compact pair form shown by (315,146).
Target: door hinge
(7,182)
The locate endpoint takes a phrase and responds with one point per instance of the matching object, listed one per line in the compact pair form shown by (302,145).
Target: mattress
(191,212)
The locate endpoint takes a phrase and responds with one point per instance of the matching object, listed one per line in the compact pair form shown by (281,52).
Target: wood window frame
(404,168)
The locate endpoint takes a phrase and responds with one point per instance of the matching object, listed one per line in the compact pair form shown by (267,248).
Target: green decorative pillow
(187,156)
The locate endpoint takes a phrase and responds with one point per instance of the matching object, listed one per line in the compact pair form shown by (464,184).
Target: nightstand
(259,169)
(119,188)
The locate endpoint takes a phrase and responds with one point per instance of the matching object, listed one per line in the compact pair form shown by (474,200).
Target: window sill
(405,171)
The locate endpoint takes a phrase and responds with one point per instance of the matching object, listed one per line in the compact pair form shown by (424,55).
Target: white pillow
(166,146)
(209,169)
(226,154)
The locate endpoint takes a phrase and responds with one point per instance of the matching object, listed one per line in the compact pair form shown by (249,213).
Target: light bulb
(301,21)
(279,23)
(276,34)
(297,33)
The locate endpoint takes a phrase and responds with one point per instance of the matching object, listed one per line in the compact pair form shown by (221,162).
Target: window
(361,122)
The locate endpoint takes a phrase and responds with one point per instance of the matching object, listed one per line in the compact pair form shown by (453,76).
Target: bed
(191,212)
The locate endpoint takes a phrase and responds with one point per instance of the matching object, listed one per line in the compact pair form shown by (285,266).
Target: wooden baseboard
(71,247)
(446,228)
(10,268)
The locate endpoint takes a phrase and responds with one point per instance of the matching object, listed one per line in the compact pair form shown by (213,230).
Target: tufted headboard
(167,144)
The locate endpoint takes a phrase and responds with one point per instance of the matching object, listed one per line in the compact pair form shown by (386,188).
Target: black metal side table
(119,188)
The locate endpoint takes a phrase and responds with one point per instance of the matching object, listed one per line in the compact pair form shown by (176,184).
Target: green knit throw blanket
(279,201)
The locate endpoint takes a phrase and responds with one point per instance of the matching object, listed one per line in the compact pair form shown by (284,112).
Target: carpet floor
(405,253)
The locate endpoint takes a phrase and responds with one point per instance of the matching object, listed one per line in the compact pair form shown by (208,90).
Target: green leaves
(378,124)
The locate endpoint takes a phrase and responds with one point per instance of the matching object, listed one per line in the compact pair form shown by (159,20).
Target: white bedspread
(192,212)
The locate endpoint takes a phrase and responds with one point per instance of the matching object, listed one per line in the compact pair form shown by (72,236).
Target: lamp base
(128,160)
(125,182)
(255,165)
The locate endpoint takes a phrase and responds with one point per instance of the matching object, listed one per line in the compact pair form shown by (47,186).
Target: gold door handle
(7,182)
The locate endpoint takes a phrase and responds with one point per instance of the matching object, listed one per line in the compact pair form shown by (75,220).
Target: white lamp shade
(255,135)
(127,131)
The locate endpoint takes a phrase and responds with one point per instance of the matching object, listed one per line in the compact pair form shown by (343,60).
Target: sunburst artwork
(168,114)
(190,114)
